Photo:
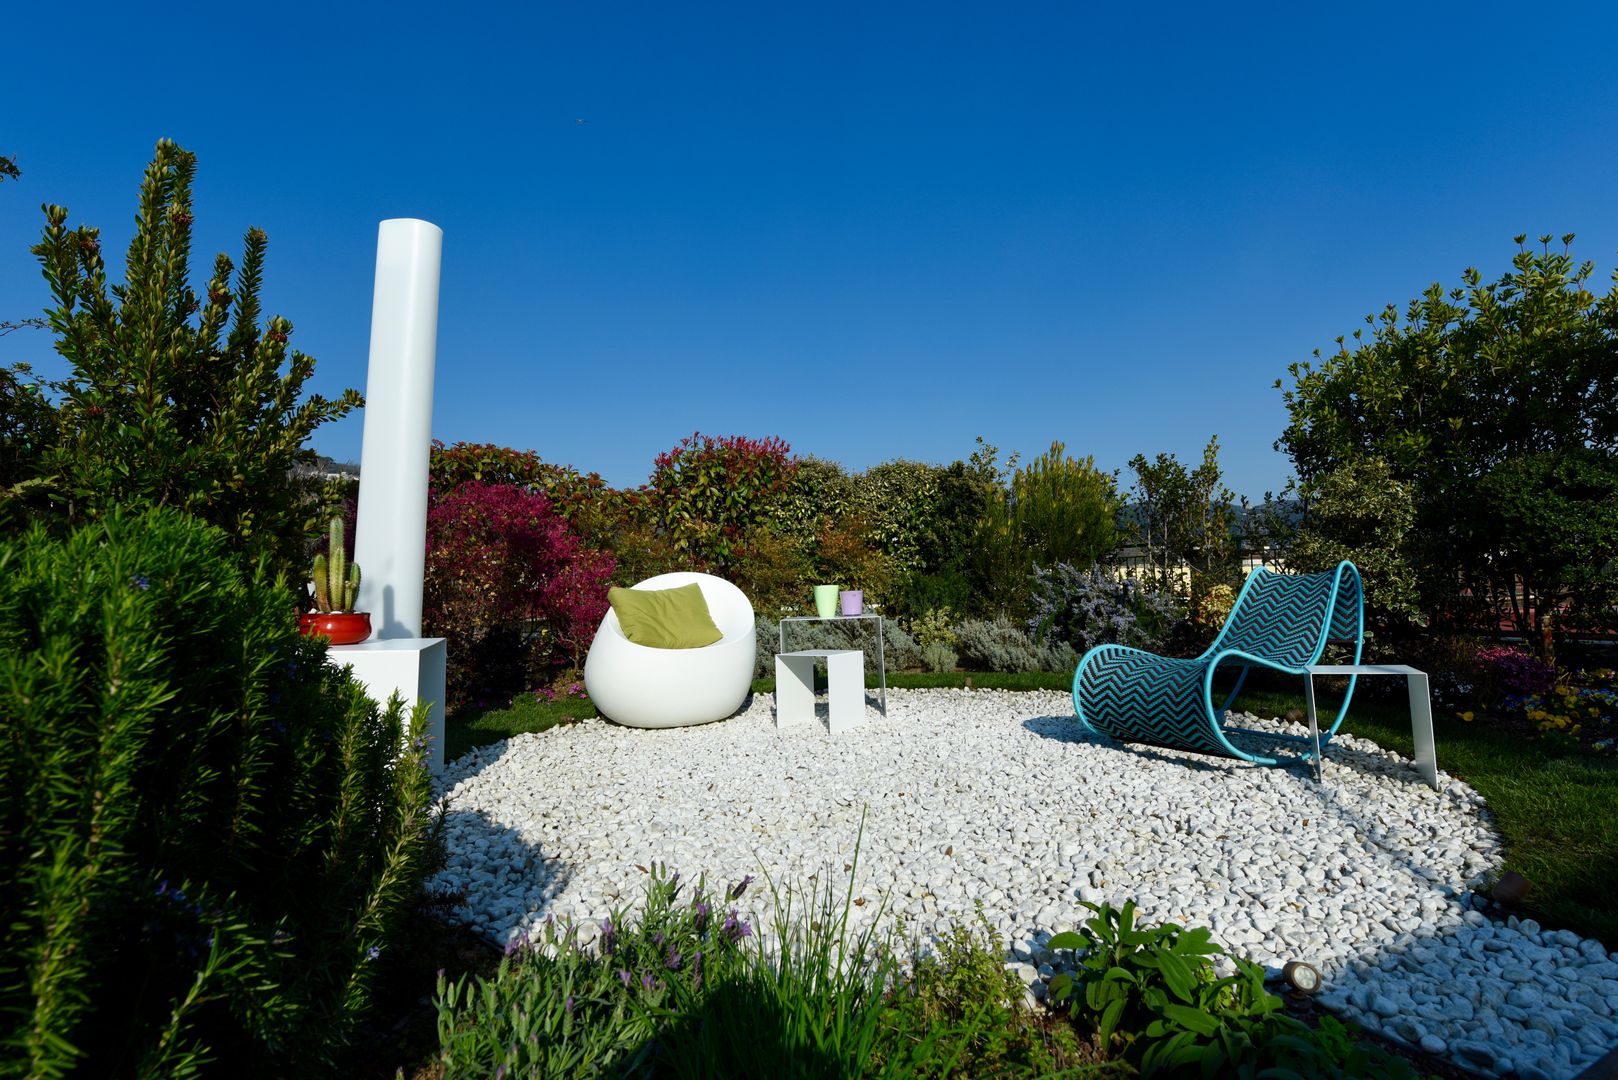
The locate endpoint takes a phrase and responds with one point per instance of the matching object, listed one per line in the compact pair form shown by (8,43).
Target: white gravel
(999,797)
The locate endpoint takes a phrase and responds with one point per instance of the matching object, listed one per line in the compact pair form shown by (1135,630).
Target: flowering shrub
(707,492)
(1086,608)
(568,490)
(509,585)
(562,1007)
(1578,712)
(1510,671)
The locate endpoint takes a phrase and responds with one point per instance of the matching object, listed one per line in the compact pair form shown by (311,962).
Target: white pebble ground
(1001,798)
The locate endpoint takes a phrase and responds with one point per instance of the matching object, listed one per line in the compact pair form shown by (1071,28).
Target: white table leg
(845,690)
(1314,722)
(794,690)
(881,666)
(1421,727)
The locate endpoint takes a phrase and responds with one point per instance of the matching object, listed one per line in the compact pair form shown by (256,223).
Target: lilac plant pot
(853,601)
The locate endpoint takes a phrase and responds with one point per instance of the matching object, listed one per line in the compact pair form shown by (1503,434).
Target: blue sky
(873,230)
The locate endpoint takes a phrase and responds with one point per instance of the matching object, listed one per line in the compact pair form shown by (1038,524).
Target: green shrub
(178,399)
(937,657)
(935,625)
(1151,994)
(962,1013)
(1058,509)
(557,1007)
(209,834)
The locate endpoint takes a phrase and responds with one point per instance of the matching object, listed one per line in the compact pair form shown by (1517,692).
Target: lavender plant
(1001,645)
(1086,608)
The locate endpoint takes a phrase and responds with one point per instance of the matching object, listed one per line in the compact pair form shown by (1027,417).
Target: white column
(390,536)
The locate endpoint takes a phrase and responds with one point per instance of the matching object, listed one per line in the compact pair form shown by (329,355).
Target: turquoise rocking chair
(1280,621)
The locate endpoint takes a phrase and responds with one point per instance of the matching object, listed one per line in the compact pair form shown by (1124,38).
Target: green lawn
(1556,809)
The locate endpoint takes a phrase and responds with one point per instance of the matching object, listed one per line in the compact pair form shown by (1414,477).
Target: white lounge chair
(644,687)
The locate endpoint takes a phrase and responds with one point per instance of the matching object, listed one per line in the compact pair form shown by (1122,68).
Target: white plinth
(414,667)
(795,687)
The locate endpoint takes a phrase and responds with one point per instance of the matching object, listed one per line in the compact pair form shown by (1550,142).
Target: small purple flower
(703,912)
(740,887)
(649,984)
(696,969)
(141,581)
(735,929)
(500,1073)
(567,1005)
(625,977)
(163,887)
(372,953)
(609,934)
(673,961)
(513,945)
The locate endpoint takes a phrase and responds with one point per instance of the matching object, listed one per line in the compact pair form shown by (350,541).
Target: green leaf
(1191,1019)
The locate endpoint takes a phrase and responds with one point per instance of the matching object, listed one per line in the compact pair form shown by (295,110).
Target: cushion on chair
(665,618)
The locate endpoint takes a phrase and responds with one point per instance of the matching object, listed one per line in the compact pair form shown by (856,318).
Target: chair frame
(1218,654)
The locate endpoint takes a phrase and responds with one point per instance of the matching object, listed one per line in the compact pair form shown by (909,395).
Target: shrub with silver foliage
(938,657)
(900,649)
(1086,608)
(1001,645)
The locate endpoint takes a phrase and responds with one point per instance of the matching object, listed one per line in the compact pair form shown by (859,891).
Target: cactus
(337,582)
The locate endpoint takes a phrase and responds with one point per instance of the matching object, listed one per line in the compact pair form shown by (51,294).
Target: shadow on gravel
(496,875)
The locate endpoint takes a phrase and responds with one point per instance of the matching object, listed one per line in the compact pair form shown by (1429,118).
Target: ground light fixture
(1302,977)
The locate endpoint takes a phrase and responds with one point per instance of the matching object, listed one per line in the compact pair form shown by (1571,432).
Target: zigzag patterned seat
(1279,621)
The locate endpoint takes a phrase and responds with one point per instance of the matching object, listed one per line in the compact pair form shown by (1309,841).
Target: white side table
(795,687)
(412,666)
(1421,711)
(881,657)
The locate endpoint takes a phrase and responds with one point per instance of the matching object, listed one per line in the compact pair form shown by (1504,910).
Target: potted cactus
(336,586)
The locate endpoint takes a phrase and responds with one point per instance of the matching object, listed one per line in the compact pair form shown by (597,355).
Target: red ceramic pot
(343,627)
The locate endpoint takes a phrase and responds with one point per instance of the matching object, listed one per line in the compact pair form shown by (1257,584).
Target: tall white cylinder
(390,535)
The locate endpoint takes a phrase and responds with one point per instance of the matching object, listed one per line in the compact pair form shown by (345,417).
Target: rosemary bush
(208,834)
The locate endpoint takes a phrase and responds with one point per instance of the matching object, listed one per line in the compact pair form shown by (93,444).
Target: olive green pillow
(665,618)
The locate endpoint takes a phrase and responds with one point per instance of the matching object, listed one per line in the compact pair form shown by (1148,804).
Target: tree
(1184,517)
(1552,525)
(1058,509)
(1469,382)
(176,400)
(1359,512)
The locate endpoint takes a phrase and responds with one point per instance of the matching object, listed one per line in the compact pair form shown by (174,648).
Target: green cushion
(665,618)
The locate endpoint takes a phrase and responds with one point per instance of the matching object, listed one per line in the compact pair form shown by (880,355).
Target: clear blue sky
(873,230)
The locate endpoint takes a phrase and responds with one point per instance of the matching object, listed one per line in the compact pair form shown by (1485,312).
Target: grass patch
(471,726)
(1555,806)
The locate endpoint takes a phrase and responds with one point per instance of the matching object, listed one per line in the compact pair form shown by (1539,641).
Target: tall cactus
(337,582)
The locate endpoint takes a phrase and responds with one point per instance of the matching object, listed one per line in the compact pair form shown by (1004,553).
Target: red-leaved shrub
(707,492)
(510,586)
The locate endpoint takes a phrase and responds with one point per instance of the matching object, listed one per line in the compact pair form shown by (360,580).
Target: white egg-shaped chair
(642,687)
